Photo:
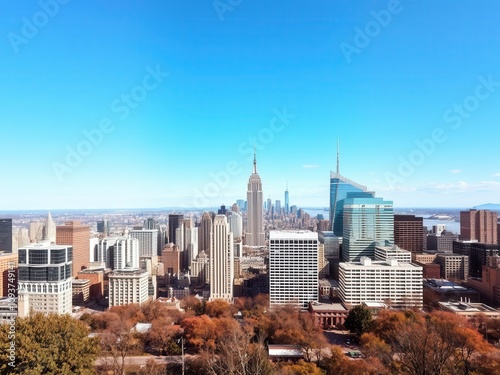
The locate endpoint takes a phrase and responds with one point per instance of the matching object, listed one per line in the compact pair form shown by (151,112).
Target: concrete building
(45,278)
(368,222)
(76,235)
(221,260)
(470,310)
(385,253)
(409,232)
(200,269)
(480,225)
(148,241)
(398,285)
(293,268)
(255,235)
(80,291)
(453,266)
(443,242)
(128,286)
(236,224)
(445,290)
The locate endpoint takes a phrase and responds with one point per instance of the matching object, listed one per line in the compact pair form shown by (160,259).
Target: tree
(299,368)
(435,343)
(163,335)
(200,332)
(49,344)
(359,320)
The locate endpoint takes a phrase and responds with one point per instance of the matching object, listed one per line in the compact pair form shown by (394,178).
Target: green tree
(51,344)
(359,320)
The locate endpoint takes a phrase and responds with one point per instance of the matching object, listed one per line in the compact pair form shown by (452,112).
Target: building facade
(76,235)
(45,278)
(6,235)
(293,268)
(148,241)
(368,222)
(128,286)
(255,235)
(398,285)
(409,232)
(480,225)
(221,260)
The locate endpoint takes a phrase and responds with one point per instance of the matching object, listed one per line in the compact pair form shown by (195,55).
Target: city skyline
(106,105)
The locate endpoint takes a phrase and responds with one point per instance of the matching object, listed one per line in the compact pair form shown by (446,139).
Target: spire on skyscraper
(254,161)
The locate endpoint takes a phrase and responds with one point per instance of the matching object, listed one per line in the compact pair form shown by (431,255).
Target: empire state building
(255,227)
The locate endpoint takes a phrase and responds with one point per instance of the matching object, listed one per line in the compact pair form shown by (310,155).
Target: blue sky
(176,93)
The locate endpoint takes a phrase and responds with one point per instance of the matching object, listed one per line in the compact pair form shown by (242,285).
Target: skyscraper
(148,242)
(409,232)
(255,235)
(204,233)
(293,268)
(221,260)
(479,225)
(78,236)
(287,200)
(6,235)
(368,222)
(45,278)
(174,221)
(342,188)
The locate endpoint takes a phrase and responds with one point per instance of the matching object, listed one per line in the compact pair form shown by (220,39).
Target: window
(38,256)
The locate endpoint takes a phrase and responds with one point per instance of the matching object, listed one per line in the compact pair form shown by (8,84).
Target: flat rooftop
(293,235)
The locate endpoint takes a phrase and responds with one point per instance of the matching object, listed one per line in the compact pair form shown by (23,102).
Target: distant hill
(489,206)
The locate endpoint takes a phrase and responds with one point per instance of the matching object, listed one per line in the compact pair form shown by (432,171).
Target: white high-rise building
(391,282)
(148,241)
(255,235)
(293,268)
(221,260)
(126,253)
(45,278)
(128,286)
(236,224)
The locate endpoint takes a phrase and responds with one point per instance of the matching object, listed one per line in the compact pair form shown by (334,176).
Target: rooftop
(293,234)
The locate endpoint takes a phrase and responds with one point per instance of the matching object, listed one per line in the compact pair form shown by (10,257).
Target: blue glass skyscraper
(342,188)
(368,222)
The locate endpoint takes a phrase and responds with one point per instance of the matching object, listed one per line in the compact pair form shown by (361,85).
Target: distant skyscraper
(174,221)
(8,261)
(204,233)
(340,188)
(126,253)
(278,207)
(269,206)
(78,236)
(409,232)
(149,224)
(255,235)
(222,210)
(148,242)
(6,235)
(221,260)
(49,230)
(293,268)
(479,225)
(368,222)
(287,200)
(236,225)
(103,227)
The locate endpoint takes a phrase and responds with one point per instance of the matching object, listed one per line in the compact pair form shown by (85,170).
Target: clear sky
(175,94)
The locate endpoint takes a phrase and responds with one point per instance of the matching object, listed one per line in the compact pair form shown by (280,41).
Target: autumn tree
(200,332)
(49,344)
(359,320)
(299,368)
(163,336)
(435,343)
